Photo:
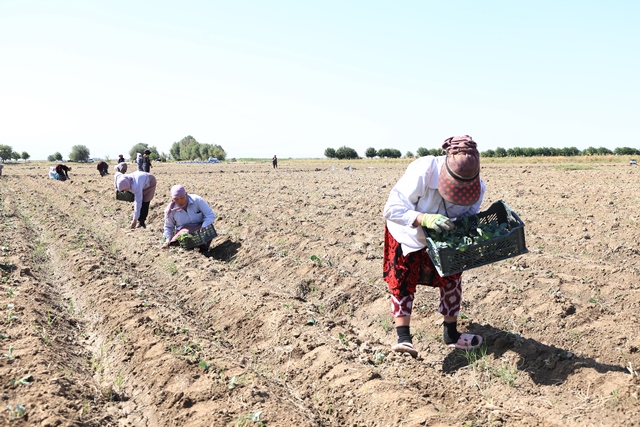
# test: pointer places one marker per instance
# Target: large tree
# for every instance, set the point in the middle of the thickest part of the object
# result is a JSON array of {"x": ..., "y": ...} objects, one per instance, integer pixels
[
  {"x": 79, "y": 153},
  {"x": 140, "y": 148},
  {"x": 330, "y": 153},
  {"x": 5, "y": 152},
  {"x": 190, "y": 149}
]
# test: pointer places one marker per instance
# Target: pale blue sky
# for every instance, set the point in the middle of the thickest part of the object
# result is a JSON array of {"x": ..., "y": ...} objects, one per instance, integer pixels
[{"x": 295, "y": 77}]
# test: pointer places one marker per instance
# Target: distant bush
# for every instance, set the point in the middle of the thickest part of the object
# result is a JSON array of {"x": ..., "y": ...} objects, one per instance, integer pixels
[
  {"x": 371, "y": 152},
  {"x": 345, "y": 152},
  {"x": 190, "y": 149},
  {"x": 330, "y": 153},
  {"x": 390, "y": 153}
]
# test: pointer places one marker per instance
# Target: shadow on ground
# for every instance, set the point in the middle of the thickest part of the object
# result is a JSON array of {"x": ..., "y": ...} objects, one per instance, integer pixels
[
  {"x": 545, "y": 364},
  {"x": 224, "y": 251}
]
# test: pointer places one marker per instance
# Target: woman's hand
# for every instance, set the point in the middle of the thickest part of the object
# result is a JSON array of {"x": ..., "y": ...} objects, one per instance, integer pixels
[
  {"x": 134, "y": 223},
  {"x": 437, "y": 222}
]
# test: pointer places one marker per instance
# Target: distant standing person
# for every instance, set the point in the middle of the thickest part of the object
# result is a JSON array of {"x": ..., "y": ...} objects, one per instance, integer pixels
[
  {"x": 63, "y": 172},
  {"x": 185, "y": 213},
  {"x": 274, "y": 161},
  {"x": 103, "y": 168},
  {"x": 139, "y": 162},
  {"x": 146, "y": 161},
  {"x": 1, "y": 170},
  {"x": 121, "y": 158},
  {"x": 143, "y": 187}
]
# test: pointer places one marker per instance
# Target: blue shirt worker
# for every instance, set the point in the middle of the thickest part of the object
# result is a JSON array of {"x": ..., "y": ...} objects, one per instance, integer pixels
[{"x": 186, "y": 213}]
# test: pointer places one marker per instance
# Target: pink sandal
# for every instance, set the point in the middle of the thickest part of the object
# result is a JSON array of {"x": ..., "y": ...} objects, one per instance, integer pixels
[{"x": 465, "y": 342}]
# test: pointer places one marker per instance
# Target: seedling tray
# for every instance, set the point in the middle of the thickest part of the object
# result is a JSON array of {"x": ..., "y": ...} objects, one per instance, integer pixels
[
  {"x": 125, "y": 196},
  {"x": 197, "y": 238},
  {"x": 450, "y": 261}
]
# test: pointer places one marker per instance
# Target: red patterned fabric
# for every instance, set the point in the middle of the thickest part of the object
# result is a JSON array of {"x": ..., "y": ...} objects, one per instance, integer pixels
[{"x": 404, "y": 273}]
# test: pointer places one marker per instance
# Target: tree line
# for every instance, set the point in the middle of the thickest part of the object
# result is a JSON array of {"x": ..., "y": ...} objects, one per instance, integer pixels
[
  {"x": 185, "y": 149},
  {"x": 7, "y": 153},
  {"x": 345, "y": 152}
]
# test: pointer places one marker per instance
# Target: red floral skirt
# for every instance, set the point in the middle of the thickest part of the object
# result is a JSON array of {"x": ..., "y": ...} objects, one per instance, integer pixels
[{"x": 404, "y": 273}]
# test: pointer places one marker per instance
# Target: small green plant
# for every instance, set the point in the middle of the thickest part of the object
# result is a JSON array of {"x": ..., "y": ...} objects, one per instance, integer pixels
[
  {"x": 11, "y": 292},
  {"x": 253, "y": 418},
  {"x": 51, "y": 319},
  {"x": 233, "y": 382},
  {"x": 386, "y": 324},
  {"x": 171, "y": 268},
  {"x": 507, "y": 374},
  {"x": 204, "y": 365},
  {"x": 121, "y": 336},
  {"x": 343, "y": 339},
  {"x": 320, "y": 261},
  {"x": 16, "y": 412},
  {"x": 43, "y": 335},
  {"x": 378, "y": 358},
  {"x": 119, "y": 381},
  {"x": 10, "y": 354},
  {"x": 26, "y": 380},
  {"x": 11, "y": 317}
]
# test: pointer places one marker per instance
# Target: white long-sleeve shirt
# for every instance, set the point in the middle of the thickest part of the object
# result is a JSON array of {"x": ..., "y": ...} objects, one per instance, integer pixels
[
  {"x": 416, "y": 192},
  {"x": 197, "y": 212}
]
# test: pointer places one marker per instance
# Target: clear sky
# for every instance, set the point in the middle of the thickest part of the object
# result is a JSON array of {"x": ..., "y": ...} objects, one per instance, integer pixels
[{"x": 292, "y": 78}]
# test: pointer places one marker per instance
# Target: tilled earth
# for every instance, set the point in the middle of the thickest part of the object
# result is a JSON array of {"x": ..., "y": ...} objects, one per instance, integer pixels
[{"x": 286, "y": 320}]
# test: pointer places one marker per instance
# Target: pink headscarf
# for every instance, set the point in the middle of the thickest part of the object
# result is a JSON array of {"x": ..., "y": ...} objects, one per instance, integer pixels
[{"x": 178, "y": 191}]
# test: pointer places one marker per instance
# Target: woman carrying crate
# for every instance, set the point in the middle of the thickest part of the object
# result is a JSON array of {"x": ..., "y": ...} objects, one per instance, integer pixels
[
  {"x": 185, "y": 214},
  {"x": 143, "y": 187},
  {"x": 433, "y": 192}
]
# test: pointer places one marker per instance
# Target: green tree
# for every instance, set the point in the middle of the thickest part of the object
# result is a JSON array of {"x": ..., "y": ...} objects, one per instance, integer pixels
[
  {"x": 392, "y": 153},
  {"x": 501, "y": 152},
  {"x": 138, "y": 148},
  {"x": 25, "y": 156},
  {"x": 330, "y": 153},
  {"x": 421, "y": 152},
  {"x": 5, "y": 152},
  {"x": 409, "y": 155},
  {"x": 190, "y": 149},
  {"x": 371, "y": 152},
  {"x": 15, "y": 155},
  {"x": 345, "y": 152},
  {"x": 79, "y": 153}
]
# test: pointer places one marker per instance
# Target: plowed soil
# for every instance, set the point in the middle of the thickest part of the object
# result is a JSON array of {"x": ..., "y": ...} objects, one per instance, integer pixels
[{"x": 286, "y": 320}]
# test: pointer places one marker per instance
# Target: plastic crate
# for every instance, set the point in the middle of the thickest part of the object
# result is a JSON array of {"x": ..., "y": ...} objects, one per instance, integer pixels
[
  {"x": 450, "y": 261},
  {"x": 199, "y": 237},
  {"x": 125, "y": 196}
]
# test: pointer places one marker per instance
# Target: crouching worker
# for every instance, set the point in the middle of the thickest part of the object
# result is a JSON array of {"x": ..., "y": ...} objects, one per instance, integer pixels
[
  {"x": 186, "y": 213},
  {"x": 63, "y": 172},
  {"x": 143, "y": 187},
  {"x": 103, "y": 168}
]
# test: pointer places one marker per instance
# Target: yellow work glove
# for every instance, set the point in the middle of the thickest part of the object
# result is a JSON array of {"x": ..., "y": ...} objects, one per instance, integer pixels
[{"x": 437, "y": 222}]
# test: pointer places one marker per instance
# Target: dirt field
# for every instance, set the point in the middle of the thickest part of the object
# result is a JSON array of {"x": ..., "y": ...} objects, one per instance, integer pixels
[{"x": 286, "y": 320}]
